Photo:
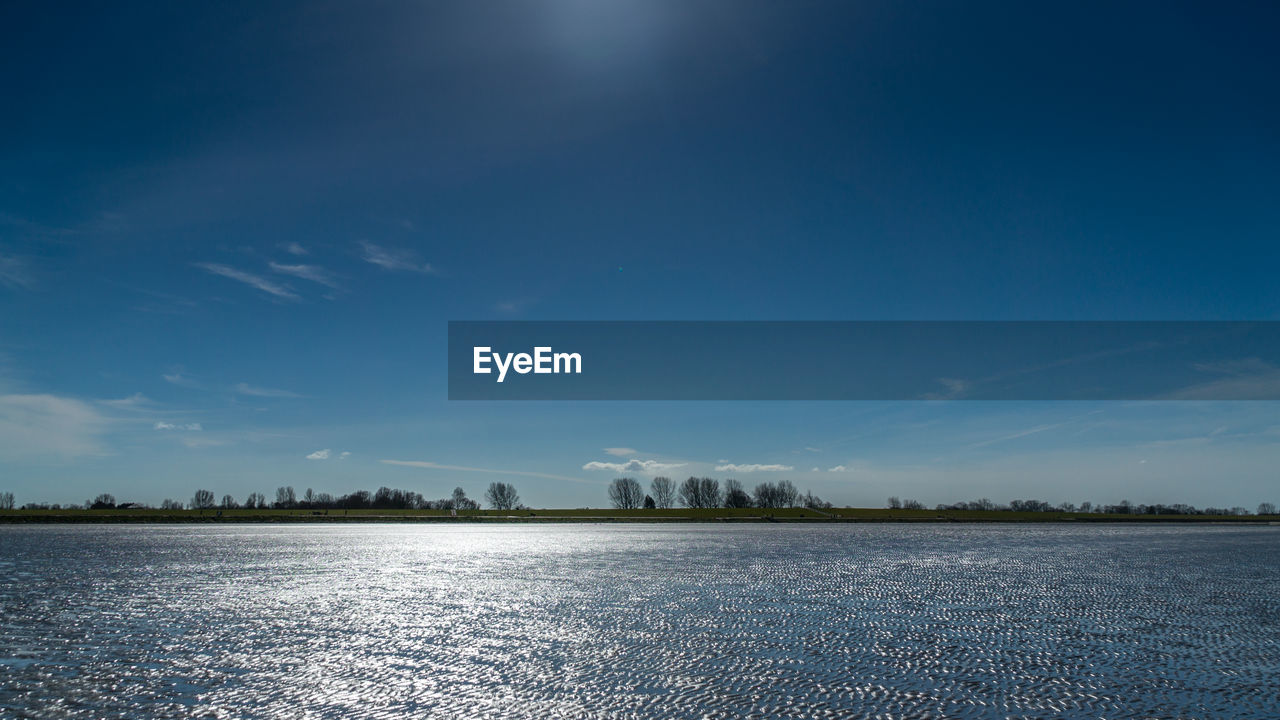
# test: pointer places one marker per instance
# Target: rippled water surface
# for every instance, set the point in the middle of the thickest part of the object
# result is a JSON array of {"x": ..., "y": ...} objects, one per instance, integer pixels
[{"x": 629, "y": 621}]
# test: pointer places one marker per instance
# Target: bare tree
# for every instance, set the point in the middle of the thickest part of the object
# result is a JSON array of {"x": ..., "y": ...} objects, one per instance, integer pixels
[
  {"x": 202, "y": 500},
  {"x": 6, "y": 501},
  {"x": 103, "y": 501},
  {"x": 256, "y": 500},
  {"x": 285, "y": 497},
  {"x": 734, "y": 495},
  {"x": 1265, "y": 508},
  {"x": 229, "y": 503},
  {"x": 894, "y": 503},
  {"x": 700, "y": 492},
  {"x": 462, "y": 502},
  {"x": 171, "y": 504},
  {"x": 626, "y": 494},
  {"x": 663, "y": 491},
  {"x": 502, "y": 496}
]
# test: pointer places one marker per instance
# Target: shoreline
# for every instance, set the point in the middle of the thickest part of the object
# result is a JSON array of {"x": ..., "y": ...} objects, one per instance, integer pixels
[{"x": 674, "y": 516}]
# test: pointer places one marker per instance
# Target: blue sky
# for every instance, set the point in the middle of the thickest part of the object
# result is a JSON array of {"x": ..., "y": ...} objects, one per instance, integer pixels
[{"x": 232, "y": 236}]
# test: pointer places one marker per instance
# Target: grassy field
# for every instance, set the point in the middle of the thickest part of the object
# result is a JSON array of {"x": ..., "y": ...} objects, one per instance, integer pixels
[{"x": 595, "y": 515}]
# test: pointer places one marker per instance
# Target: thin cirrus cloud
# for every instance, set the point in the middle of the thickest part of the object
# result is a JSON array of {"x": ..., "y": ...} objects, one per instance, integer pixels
[
  {"x": 327, "y": 454},
  {"x": 181, "y": 380},
  {"x": 252, "y": 391},
  {"x": 267, "y": 286},
  {"x": 462, "y": 468},
  {"x": 752, "y": 467},
  {"x": 633, "y": 466},
  {"x": 294, "y": 248},
  {"x": 314, "y": 273},
  {"x": 394, "y": 259},
  {"x": 620, "y": 451},
  {"x": 194, "y": 427},
  {"x": 15, "y": 274},
  {"x": 49, "y": 426}
]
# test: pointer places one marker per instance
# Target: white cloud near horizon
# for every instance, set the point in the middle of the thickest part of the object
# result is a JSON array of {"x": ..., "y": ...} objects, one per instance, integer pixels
[
  {"x": 752, "y": 467},
  {"x": 260, "y": 283},
  {"x": 314, "y": 273},
  {"x": 463, "y": 468},
  {"x": 648, "y": 467},
  {"x": 837, "y": 468},
  {"x": 394, "y": 259}
]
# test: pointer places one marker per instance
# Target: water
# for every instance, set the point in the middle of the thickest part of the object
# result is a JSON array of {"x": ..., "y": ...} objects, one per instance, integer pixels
[{"x": 632, "y": 621}]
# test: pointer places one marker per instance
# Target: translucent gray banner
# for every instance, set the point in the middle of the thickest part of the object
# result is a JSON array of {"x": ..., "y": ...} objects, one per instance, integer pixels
[{"x": 864, "y": 360}]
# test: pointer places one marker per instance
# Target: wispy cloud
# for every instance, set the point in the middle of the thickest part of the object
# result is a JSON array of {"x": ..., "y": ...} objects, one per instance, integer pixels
[
  {"x": 294, "y": 248},
  {"x": 15, "y": 274},
  {"x": 196, "y": 427},
  {"x": 314, "y": 273},
  {"x": 177, "y": 378},
  {"x": 620, "y": 451},
  {"x": 247, "y": 389},
  {"x": 319, "y": 455},
  {"x": 837, "y": 468},
  {"x": 1244, "y": 379},
  {"x": 394, "y": 259},
  {"x": 261, "y": 283},
  {"x": 136, "y": 401},
  {"x": 462, "y": 468},
  {"x": 752, "y": 467},
  {"x": 647, "y": 467},
  {"x": 48, "y": 425},
  {"x": 1033, "y": 430}
]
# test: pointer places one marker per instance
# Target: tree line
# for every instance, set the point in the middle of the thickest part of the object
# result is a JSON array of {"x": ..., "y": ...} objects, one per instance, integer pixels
[
  {"x": 705, "y": 492},
  {"x": 499, "y": 496},
  {"x": 624, "y": 494},
  {"x": 1124, "y": 507}
]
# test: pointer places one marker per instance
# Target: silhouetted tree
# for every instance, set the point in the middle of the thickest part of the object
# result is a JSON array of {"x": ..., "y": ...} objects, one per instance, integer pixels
[
  {"x": 894, "y": 503},
  {"x": 105, "y": 501},
  {"x": 309, "y": 498},
  {"x": 664, "y": 492},
  {"x": 780, "y": 495},
  {"x": 256, "y": 501},
  {"x": 700, "y": 493},
  {"x": 202, "y": 500},
  {"x": 502, "y": 496},
  {"x": 813, "y": 502},
  {"x": 649, "y": 504},
  {"x": 734, "y": 495},
  {"x": 285, "y": 497},
  {"x": 229, "y": 503},
  {"x": 626, "y": 494},
  {"x": 6, "y": 501},
  {"x": 171, "y": 504},
  {"x": 1265, "y": 508}
]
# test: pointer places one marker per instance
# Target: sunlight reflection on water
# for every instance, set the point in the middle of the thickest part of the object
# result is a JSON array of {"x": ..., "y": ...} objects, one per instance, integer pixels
[{"x": 514, "y": 621}]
